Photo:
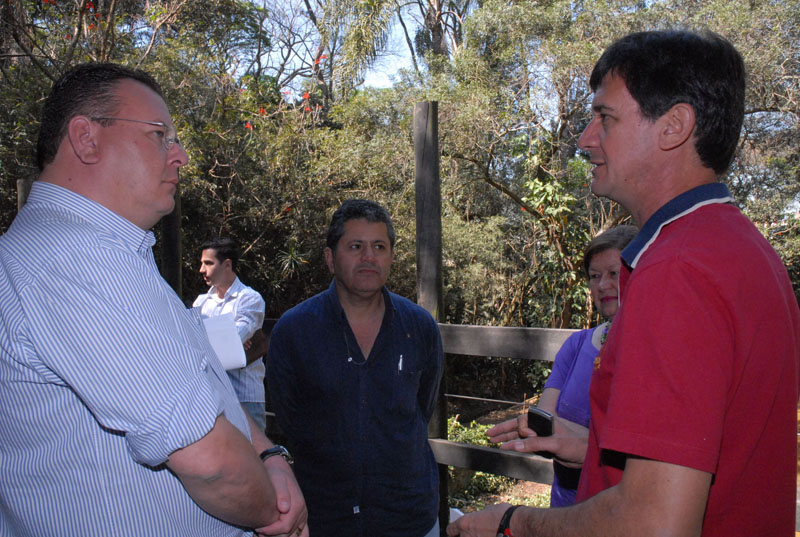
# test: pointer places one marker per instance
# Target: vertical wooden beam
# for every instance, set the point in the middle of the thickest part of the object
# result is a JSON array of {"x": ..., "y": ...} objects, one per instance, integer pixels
[
  {"x": 170, "y": 247},
  {"x": 23, "y": 189},
  {"x": 429, "y": 207},
  {"x": 429, "y": 255}
]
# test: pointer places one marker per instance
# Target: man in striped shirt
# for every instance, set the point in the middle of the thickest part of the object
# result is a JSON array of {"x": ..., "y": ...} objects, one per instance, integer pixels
[{"x": 116, "y": 417}]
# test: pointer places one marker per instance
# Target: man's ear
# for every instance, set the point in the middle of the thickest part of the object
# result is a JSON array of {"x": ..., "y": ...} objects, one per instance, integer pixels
[
  {"x": 679, "y": 122},
  {"x": 329, "y": 259},
  {"x": 82, "y": 134}
]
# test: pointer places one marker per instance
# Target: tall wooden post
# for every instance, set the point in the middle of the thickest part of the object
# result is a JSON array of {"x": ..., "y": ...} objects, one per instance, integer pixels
[
  {"x": 23, "y": 189},
  {"x": 429, "y": 254}
]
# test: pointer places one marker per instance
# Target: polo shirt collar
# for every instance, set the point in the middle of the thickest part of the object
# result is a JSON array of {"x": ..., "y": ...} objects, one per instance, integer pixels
[{"x": 678, "y": 207}]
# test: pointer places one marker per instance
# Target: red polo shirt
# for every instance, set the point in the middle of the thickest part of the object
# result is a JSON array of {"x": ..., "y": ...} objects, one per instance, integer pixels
[{"x": 700, "y": 368}]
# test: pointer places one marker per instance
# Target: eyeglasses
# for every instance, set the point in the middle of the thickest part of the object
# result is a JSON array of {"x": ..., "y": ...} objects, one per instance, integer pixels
[{"x": 169, "y": 136}]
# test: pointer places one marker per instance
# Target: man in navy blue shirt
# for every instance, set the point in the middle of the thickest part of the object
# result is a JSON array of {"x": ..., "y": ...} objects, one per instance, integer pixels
[{"x": 353, "y": 374}]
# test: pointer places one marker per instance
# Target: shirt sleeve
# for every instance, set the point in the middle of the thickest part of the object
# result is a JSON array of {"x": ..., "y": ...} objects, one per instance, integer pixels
[
  {"x": 132, "y": 353},
  {"x": 432, "y": 376},
  {"x": 249, "y": 314},
  {"x": 282, "y": 378},
  {"x": 565, "y": 357}
]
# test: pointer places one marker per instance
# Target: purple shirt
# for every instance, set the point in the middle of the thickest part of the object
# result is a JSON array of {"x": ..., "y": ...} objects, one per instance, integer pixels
[{"x": 572, "y": 373}]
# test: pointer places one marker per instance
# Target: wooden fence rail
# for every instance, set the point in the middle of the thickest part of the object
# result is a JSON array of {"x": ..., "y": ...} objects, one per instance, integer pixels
[{"x": 505, "y": 342}]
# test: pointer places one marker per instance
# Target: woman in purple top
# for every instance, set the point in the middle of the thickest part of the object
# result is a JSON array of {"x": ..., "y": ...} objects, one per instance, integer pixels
[{"x": 566, "y": 392}]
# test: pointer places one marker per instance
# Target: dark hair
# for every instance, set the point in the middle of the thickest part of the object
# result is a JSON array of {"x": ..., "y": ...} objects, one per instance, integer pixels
[
  {"x": 664, "y": 68},
  {"x": 354, "y": 210},
  {"x": 224, "y": 248},
  {"x": 617, "y": 237},
  {"x": 87, "y": 89}
]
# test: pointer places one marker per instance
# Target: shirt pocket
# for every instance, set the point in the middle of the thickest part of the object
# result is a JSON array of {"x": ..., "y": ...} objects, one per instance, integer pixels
[{"x": 406, "y": 385}]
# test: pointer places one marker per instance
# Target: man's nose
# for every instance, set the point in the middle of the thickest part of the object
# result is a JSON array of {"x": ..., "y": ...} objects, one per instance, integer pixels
[
  {"x": 588, "y": 135},
  {"x": 368, "y": 252}
]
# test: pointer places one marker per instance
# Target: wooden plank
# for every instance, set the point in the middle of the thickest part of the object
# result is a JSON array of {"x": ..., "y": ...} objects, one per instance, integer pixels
[
  {"x": 503, "y": 341},
  {"x": 493, "y": 460}
]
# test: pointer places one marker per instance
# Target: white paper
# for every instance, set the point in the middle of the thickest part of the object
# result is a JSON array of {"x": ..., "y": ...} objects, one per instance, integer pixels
[{"x": 225, "y": 340}]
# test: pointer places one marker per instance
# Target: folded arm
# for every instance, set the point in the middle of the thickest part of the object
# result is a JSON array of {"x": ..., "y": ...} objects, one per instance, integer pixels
[{"x": 223, "y": 476}]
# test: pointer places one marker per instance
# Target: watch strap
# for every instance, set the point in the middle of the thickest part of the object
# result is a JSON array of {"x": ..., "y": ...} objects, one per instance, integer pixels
[
  {"x": 503, "y": 529},
  {"x": 276, "y": 450}
]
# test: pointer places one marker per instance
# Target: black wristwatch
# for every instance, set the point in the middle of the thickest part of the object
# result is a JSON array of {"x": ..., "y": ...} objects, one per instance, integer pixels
[
  {"x": 277, "y": 450},
  {"x": 505, "y": 522}
]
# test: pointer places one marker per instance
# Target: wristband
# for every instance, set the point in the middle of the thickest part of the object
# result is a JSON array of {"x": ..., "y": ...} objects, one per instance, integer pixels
[
  {"x": 277, "y": 450},
  {"x": 503, "y": 529}
]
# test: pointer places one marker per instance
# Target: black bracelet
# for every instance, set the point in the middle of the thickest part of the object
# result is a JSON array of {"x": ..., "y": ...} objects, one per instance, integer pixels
[{"x": 503, "y": 529}]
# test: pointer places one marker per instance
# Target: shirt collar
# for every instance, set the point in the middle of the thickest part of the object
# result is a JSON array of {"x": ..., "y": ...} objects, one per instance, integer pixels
[
  {"x": 336, "y": 306},
  {"x": 233, "y": 290},
  {"x": 678, "y": 207},
  {"x": 128, "y": 233}
]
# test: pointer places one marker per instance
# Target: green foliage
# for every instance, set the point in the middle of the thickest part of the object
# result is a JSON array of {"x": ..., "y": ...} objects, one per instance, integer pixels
[{"x": 466, "y": 486}]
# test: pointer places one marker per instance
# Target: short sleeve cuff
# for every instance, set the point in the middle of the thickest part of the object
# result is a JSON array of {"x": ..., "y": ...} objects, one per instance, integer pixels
[{"x": 186, "y": 418}]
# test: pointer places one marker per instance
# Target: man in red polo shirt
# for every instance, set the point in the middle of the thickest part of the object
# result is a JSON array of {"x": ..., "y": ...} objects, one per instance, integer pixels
[{"x": 693, "y": 403}]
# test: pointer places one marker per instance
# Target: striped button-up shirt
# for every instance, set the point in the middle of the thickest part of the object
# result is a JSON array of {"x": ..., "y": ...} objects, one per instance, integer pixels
[{"x": 103, "y": 374}]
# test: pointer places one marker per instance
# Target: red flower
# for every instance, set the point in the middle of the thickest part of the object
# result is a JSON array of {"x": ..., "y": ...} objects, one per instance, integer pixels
[
  {"x": 307, "y": 109},
  {"x": 305, "y": 95},
  {"x": 261, "y": 111},
  {"x": 323, "y": 57},
  {"x": 91, "y": 26},
  {"x": 248, "y": 125},
  {"x": 89, "y": 5}
]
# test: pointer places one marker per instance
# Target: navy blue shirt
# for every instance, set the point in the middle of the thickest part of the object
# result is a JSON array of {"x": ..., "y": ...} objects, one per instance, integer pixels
[{"x": 358, "y": 427}]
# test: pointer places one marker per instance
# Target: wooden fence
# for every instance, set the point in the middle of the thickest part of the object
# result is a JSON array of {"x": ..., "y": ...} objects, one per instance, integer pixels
[{"x": 506, "y": 342}]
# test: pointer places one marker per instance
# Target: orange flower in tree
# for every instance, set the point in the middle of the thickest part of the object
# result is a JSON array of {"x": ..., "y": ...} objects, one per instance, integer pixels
[
  {"x": 248, "y": 125},
  {"x": 262, "y": 111},
  {"x": 307, "y": 109},
  {"x": 90, "y": 5},
  {"x": 306, "y": 96}
]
